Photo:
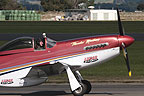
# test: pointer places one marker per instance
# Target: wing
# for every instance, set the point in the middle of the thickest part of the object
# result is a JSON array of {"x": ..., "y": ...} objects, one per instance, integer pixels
[
  {"x": 31, "y": 76},
  {"x": 34, "y": 73}
]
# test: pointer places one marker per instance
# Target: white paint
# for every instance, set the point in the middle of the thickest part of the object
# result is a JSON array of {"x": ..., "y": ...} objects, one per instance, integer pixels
[
  {"x": 15, "y": 77},
  {"x": 19, "y": 79},
  {"x": 74, "y": 84},
  {"x": 103, "y": 56},
  {"x": 17, "y": 74},
  {"x": 103, "y": 15}
]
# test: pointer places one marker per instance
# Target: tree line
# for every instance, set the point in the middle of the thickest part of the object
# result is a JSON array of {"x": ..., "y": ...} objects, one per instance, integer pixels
[
  {"x": 10, "y": 5},
  {"x": 54, "y": 5},
  {"x": 48, "y": 5},
  {"x": 60, "y": 5}
]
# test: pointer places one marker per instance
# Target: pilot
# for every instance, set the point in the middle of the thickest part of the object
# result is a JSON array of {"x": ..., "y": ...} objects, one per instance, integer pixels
[
  {"x": 40, "y": 44},
  {"x": 44, "y": 38}
]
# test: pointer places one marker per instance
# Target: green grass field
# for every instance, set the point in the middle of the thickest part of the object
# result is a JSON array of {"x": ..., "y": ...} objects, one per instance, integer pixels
[
  {"x": 111, "y": 70},
  {"x": 70, "y": 27}
]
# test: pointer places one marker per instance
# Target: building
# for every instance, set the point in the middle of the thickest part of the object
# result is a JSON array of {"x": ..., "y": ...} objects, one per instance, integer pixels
[
  {"x": 77, "y": 14},
  {"x": 103, "y": 15},
  {"x": 103, "y": 1}
]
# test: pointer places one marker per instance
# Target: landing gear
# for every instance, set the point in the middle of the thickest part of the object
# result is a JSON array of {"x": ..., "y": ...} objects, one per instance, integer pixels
[
  {"x": 78, "y": 85},
  {"x": 87, "y": 85},
  {"x": 80, "y": 91},
  {"x": 84, "y": 89}
]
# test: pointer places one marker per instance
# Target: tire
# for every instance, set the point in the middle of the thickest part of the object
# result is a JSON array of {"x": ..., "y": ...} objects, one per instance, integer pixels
[
  {"x": 87, "y": 85},
  {"x": 80, "y": 91}
]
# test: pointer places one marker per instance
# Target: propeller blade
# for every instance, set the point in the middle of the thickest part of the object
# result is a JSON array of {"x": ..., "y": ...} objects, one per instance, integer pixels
[
  {"x": 122, "y": 33},
  {"x": 125, "y": 53},
  {"x": 121, "y": 29}
]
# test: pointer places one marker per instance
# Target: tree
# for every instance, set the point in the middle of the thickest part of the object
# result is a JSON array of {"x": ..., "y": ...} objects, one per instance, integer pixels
[
  {"x": 10, "y": 5},
  {"x": 140, "y": 7},
  {"x": 87, "y": 2},
  {"x": 61, "y": 5},
  {"x": 91, "y": 2},
  {"x": 73, "y": 3},
  {"x": 55, "y": 5}
]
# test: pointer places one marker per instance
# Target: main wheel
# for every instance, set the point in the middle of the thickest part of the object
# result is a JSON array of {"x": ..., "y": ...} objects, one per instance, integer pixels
[
  {"x": 87, "y": 85},
  {"x": 80, "y": 91}
]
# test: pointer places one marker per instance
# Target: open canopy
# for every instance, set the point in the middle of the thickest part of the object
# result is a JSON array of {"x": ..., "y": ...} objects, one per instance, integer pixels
[
  {"x": 26, "y": 42},
  {"x": 18, "y": 43}
]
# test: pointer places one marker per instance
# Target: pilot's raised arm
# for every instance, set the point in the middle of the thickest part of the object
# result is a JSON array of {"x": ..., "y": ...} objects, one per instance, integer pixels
[{"x": 44, "y": 39}]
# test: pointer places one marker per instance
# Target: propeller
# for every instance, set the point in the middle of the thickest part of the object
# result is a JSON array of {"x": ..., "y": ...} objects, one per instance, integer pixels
[
  {"x": 125, "y": 52},
  {"x": 121, "y": 29}
]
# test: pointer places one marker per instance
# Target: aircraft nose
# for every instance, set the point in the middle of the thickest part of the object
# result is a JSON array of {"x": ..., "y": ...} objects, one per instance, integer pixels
[{"x": 127, "y": 40}]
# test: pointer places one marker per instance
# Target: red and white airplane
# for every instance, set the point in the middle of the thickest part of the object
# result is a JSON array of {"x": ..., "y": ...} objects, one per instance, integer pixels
[{"x": 27, "y": 61}]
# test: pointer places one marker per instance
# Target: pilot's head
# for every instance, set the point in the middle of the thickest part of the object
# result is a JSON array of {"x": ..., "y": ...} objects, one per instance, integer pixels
[{"x": 44, "y": 35}]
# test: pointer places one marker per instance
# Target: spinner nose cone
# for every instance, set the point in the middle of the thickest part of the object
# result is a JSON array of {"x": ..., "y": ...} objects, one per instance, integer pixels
[{"x": 127, "y": 40}]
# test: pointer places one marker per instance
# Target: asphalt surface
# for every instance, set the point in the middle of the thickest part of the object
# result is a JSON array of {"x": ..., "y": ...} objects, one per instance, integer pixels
[
  {"x": 62, "y": 36},
  {"x": 98, "y": 89}
]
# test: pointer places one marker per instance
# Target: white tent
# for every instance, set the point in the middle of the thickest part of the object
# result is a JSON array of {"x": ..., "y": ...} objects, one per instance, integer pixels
[{"x": 103, "y": 15}]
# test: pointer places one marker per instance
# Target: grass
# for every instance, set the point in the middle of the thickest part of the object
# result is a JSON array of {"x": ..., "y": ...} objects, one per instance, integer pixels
[
  {"x": 2, "y": 42},
  {"x": 70, "y": 27}
]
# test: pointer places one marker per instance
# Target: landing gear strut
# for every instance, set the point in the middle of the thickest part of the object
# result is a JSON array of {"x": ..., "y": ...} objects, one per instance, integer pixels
[{"x": 78, "y": 85}]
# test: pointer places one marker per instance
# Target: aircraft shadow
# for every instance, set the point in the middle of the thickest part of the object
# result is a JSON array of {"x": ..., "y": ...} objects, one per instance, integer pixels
[
  {"x": 56, "y": 93},
  {"x": 39, "y": 93},
  {"x": 104, "y": 93}
]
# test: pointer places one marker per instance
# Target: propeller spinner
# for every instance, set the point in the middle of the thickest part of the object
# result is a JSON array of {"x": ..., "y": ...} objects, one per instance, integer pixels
[{"x": 124, "y": 42}]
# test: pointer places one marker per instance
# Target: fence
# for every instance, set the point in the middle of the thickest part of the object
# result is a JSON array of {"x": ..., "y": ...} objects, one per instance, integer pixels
[{"x": 19, "y": 15}]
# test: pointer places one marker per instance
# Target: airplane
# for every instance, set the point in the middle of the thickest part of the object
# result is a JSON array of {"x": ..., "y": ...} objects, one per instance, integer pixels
[{"x": 28, "y": 61}]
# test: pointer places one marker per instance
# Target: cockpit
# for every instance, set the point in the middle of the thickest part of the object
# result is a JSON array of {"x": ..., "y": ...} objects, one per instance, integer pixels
[
  {"x": 43, "y": 43},
  {"x": 50, "y": 43},
  {"x": 18, "y": 43},
  {"x": 36, "y": 44}
]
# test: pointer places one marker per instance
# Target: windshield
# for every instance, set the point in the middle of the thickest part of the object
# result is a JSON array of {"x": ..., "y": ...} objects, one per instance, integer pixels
[
  {"x": 50, "y": 43},
  {"x": 19, "y": 43}
]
